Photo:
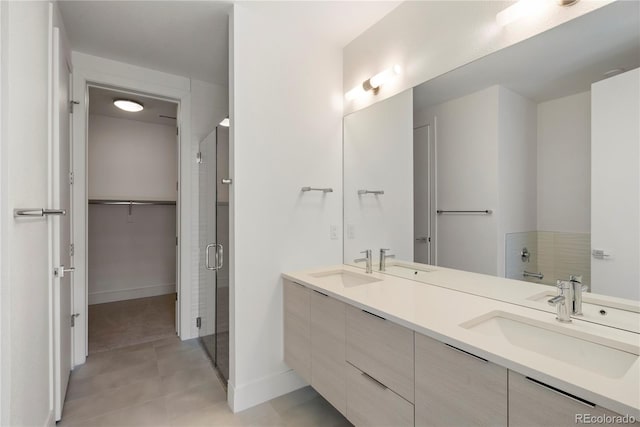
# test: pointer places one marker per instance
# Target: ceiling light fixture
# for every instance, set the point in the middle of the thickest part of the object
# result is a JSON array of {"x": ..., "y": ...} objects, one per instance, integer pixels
[
  {"x": 373, "y": 84},
  {"x": 224, "y": 122},
  {"x": 128, "y": 105}
]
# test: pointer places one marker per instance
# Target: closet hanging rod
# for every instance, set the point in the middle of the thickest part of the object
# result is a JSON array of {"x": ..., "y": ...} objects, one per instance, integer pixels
[
  {"x": 483, "y": 212},
  {"x": 131, "y": 202}
]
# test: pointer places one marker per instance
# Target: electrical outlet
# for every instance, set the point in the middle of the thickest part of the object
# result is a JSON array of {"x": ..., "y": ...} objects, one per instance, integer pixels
[{"x": 333, "y": 232}]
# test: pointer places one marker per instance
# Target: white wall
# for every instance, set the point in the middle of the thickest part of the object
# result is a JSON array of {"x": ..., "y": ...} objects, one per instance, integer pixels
[
  {"x": 25, "y": 292},
  {"x": 466, "y": 140},
  {"x": 131, "y": 256},
  {"x": 378, "y": 155},
  {"x": 286, "y": 133},
  {"x": 564, "y": 164},
  {"x": 129, "y": 159},
  {"x": 517, "y": 189},
  {"x": 429, "y": 38},
  {"x": 615, "y": 184}
]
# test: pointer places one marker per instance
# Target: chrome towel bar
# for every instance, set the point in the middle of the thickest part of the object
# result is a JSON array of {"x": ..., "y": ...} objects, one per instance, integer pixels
[
  {"x": 539, "y": 276},
  {"x": 324, "y": 190},
  {"x": 376, "y": 192},
  {"x": 34, "y": 212}
]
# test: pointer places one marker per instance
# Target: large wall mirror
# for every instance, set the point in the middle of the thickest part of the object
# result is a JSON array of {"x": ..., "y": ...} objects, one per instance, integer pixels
[{"x": 523, "y": 164}]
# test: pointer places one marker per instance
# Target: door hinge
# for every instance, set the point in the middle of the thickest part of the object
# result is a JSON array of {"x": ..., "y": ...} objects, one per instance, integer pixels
[
  {"x": 177, "y": 131},
  {"x": 199, "y": 157},
  {"x": 71, "y": 104},
  {"x": 73, "y": 319},
  {"x": 198, "y": 322},
  {"x": 176, "y": 240},
  {"x": 72, "y": 249},
  {"x": 70, "y": 178}
]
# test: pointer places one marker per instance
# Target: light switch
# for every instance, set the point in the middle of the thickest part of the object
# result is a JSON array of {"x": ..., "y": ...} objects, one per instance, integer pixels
[
  {"x": 333, "y": 232},
  {"x": 351, "y": 231}
]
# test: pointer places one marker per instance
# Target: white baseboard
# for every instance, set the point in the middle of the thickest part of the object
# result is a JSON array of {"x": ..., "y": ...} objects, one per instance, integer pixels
[
  {"x": 133, "y": 293},
  {"x": 263, "y": 390}
]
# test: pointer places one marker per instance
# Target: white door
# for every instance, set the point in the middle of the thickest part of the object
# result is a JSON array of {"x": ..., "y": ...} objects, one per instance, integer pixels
[
  {"x": 422, "y": 195},
  {"x": 61, "y": 244},
  {"x": 26, "y": 268}
]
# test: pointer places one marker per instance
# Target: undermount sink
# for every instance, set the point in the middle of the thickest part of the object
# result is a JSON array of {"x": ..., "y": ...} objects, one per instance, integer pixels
[
  {"x": 617, "y": 315},
  {"x": 345, "y": 278},
  {"x": 596, "y": 354}
]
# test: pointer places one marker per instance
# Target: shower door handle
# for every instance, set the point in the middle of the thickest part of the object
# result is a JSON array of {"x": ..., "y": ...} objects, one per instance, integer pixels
[
  {"x": 219, "y": 256},
  {"x": 206, "y": 257}
]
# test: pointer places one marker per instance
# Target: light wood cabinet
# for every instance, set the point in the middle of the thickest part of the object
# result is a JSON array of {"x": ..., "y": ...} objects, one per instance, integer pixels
[
  {"x": 328, "y": 364},
  {"x": 455, "y": 388},
  {"x": 297, "y": 336},
  {"x": 533, "y": 403},
  {"x": 370, "y": 403},
  {"x": 382, "y": 349}
]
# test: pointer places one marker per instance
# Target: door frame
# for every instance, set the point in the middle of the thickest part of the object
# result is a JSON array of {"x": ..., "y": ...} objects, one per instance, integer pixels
[{"x": 91, "y": 70}]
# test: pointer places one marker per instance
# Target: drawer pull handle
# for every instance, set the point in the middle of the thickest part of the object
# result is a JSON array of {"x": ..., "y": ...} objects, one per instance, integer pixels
[
  {"x": 562, "y": 393},
  {"x": 299, "y": 284},
  {"x": 482, "y": 359},
  {"x": 382, "y": 386},
  {"x": 379, "y": 317},
  {"x": 324, "y": 295}
]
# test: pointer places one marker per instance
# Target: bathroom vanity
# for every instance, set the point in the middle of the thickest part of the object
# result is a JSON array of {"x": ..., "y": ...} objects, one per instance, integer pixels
[{"x": 385, "y": 350}]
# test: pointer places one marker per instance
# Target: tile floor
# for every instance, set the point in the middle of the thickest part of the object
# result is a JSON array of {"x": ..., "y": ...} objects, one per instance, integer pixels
[
  {"x": 139, "y": 373},
  {"x": 124, "y": 323},
  {"x": 169, "y": 382}
]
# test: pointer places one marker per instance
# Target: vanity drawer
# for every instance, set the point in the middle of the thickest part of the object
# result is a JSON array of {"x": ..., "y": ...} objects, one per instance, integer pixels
[
  {"x": 297, "y": 338},
  {"x": 369, "y": 403},
  {"x": 382, "y": 349},
  {"x": 328, "y": 365},
  {"x": 457, "y": 388},
  {"x": 532, "y": 403}
]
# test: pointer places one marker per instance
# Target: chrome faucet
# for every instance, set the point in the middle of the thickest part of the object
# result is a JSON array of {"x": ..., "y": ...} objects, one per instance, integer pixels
[
  {"x": 563, "y": 301},
  {"x": 367, "y": 258},
  {"x": 383, "y": 259},
  {"x": 578, "y": 288}
]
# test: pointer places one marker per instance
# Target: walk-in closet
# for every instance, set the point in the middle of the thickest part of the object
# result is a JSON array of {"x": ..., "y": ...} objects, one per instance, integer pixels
[{"x": 132, "y": 182}]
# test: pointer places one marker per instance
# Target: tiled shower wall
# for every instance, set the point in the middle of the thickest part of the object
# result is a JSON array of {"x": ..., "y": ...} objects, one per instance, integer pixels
[{"x": 556, "y": 255}]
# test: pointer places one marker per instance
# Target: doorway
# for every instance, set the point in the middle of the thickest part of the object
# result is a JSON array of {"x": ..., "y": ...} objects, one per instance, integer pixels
[
  {"x": 213, "y": 317},
  {"x": 132, "y": 238}
]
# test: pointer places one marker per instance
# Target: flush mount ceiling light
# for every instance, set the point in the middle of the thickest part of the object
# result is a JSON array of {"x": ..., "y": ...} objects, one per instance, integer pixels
[
  {"x": 224, "y": 122},
  {"x": 373, "y": 84},
  {"x": 128, "y": 105},
  {"x": 527, "y": 8}
]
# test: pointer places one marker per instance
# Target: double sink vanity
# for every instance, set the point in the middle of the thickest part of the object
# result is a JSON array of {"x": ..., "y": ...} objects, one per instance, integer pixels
[{"x": 388, "y": 350}]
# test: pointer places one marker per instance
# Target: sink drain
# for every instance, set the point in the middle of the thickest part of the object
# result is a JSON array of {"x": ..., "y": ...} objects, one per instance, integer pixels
[{"x": 603, "y": 312}]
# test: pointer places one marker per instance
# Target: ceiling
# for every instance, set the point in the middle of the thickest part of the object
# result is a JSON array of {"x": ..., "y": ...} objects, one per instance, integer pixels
[
  {"x": 186, "y": 38},
  {"x": 190, "y": 38},
  {"x": 557, "y": 63},
  {"x": 101, "y": 102}
]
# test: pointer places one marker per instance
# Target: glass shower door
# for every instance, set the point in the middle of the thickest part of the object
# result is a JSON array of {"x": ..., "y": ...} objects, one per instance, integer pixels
[
  {"x": 206, "y": 321},
  {"x": 222, "y": 234}
]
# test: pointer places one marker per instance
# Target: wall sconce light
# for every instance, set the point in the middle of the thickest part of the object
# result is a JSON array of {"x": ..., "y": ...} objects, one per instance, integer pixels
[
  {"x": 526, "y": 7},
  {"x": 373, "y": 84}
]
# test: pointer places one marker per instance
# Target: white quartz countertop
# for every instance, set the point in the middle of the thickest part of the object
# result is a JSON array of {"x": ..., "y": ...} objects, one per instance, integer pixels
[{"x": 438, "y": 312}]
